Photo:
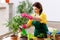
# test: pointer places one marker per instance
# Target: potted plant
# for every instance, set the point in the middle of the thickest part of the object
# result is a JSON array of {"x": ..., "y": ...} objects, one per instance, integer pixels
[
  {"x": 31, "y": 37},
  {"x": 40, "y": 37},
  {"x": 24, "y": 7},
  {"x": 14, "y": 24},
  {"x": 23, "y": 34},
  {"x": 54, "y": 34}
]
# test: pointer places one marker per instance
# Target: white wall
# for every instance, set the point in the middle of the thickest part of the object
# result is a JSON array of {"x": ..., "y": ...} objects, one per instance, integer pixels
[
  {"x": 4, "y": 15},
  {"x": 15, "y": 4},
  {"x": 51, "y": 8}
]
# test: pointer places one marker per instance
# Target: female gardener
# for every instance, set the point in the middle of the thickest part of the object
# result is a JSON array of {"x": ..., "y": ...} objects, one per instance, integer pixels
[{"x": 38, "y": 20}]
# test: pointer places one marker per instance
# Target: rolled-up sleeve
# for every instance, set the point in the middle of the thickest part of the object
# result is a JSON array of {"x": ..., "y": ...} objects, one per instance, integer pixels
[
  {"x": 43, "y": 18},
  {"x": 29, "y": 23}
]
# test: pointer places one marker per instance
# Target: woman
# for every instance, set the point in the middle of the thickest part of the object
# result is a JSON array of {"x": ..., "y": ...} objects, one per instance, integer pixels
[{"x": 39, "y": 21}]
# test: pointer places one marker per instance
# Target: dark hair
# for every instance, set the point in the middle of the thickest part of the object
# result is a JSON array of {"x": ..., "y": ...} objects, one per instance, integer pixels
[{"x": 39, "y": 6}]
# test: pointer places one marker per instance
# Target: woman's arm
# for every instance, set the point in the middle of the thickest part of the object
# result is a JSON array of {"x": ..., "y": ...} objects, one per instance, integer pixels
[
  {"x": 42, "y": 17},
  {"x": 29, "y": 23}
]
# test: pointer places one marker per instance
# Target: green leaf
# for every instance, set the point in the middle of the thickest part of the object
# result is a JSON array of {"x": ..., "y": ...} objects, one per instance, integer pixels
[
  {"x": 15, "y": 22},
  {"x": 24, "y": 6}
]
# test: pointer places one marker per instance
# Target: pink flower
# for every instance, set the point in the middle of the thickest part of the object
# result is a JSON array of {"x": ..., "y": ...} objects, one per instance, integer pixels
[
  {"x": 29, "y": 17},
  {"x": 26, "y": 16}
]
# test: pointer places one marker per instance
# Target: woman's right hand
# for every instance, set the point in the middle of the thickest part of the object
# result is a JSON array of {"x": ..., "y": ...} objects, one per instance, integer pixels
[{"x": 24, "y": 26}]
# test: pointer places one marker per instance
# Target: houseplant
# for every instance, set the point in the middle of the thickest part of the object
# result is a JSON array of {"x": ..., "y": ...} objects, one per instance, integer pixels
[
  {"x": 31, "y": 37},
  {"x": 54, "y": 34},
  {"x": 40, "y": 37},
  {"x": 24, "y": 7},
  {"x": 22, "y": 34},
  {"x": 14, "y": 24}
]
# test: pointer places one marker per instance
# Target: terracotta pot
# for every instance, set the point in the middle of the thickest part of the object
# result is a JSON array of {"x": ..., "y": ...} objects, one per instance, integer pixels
[
  {"x": 57, "y": 37},
  {"x": 14, "y": 37},
  {"x": 49, "y": 36}
]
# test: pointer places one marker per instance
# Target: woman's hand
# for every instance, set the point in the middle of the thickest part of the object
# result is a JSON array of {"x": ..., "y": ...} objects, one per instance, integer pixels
[
  {"x": 25, "y": 26},
  {"x": 37, "y": 18}
]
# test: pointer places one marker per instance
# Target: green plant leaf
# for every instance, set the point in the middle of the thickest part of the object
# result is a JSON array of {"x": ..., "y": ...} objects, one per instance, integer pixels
[
  {"x": 15, "y": 22},
  {"x": 24, "y": 6}
]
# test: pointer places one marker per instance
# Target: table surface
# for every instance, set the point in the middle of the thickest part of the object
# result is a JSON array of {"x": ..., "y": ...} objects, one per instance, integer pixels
[{"x": 9, "y": 38}]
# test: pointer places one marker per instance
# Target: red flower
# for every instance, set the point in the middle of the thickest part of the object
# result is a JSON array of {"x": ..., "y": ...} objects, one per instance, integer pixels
[{"x": 7, "y": 1}]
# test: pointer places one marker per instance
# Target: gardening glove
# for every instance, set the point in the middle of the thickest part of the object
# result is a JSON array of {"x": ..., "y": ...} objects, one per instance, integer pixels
[
  {"x": 26, "y": 16},
  {"x": 24, "y": 26}
]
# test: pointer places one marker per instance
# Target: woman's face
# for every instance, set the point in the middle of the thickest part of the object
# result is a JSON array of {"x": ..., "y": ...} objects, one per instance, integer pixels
[{"x": 36, "y": 10}]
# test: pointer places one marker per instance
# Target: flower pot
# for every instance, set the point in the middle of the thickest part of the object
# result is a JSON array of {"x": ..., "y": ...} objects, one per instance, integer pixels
[
  {"x": 31, "y": 39},
  {"x": 23, "y": 38},
  {"x": 40, "y": 38},
  {"x": 14, "y": 37},
  {"x": 57, "y": 37},
  {"x": 48, "y": 36}
]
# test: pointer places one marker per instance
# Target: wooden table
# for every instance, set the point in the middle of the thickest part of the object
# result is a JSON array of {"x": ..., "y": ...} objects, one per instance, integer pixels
[{"x": 8, "y": 38}]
